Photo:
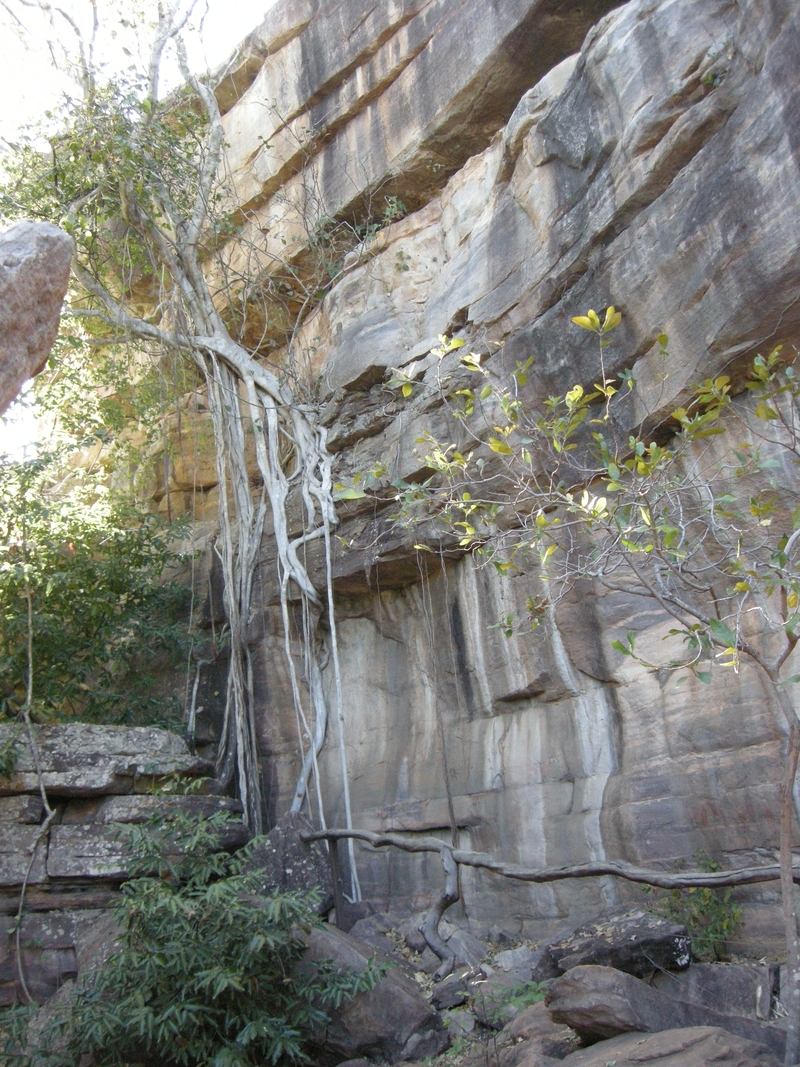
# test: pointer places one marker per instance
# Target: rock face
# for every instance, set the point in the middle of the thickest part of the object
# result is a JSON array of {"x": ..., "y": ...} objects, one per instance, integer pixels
[
  {"x": 653, "y": 166},
  {"x": 34, "y": 274},
  {"x": 98, "y": 778},
  {"x": 552, "y": 157}
]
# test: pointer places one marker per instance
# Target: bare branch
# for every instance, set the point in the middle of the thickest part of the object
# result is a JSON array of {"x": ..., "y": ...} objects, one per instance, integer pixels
[{"x": 617, "y": 868}]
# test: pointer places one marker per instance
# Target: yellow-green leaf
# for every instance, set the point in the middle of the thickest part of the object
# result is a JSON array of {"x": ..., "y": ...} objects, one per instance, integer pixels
[
  {"x": 501, "y": 447},
  {"x": 584, "y": 322}
]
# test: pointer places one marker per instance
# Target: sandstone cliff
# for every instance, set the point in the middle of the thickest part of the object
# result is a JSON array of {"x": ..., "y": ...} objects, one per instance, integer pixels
[{"x": 652, "y": 163}]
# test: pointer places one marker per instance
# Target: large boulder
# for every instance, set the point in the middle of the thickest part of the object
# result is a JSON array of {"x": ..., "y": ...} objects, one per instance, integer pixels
[
  {"x": 534, "y": 1033},
  {"x": 634, "y": 940},
  {"x": 393, "y": 1021},
  {"x": 34, "y": 274},
  {"x": 600, "y": 1002},
  {"x": 697, "y": 1046}
]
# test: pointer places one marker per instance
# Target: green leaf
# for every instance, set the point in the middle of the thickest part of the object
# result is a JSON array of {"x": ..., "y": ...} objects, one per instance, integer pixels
[
  {"x": 619, "y": 647},
  {"x": 704, "y": 676},
  {"x": 765, "y": 412},
  {"x": 721, "y": 632}
]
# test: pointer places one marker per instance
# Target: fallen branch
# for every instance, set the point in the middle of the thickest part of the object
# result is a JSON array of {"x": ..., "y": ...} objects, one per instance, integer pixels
[{"x": 616, "y": 868}]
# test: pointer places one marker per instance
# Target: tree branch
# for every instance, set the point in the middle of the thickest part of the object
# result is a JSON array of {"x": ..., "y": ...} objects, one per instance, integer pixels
[{"x": 617, "y": 868}]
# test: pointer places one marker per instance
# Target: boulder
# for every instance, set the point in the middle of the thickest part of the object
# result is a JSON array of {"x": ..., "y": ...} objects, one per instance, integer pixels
[
  {"x": 744, "y": 989},
  {"x": 468, "y": 949},
  {"x": 372, "y": 931},
  {"x": 288, "y": 862},
  {"x": 599, "y": 1002},
  {"x": 34, "y": 274},
  {"x": 517, "y": 962},
  {"x": 696, "y": 1046},
  {"x": 533, "y": 1033},
  {"x": 492, "y": 996},
  {"x": 411, "y": 933},
  {"x": 459, "y": 1022},
  {"x": 635, "y": 941},
  {"x": 393, "y": 1021},
  {"x": 452, "y": 992}
]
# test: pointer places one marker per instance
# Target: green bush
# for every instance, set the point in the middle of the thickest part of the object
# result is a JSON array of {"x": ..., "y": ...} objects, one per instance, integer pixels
[
  {"x": 205, "y": 975},
  {"x": 85, "y": 573},
  {"x": 710, "y": 915}
]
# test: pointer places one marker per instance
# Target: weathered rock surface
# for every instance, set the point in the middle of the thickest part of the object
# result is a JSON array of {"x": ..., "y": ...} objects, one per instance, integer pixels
[
  {"x": 452, "y": 992},
  {"x": 34, "y": 274},
  {"x": 392, "y": 98},
  {"x": 635, "y": 941},
  {"x": 600, "y": 1002},
  {"x": 73, "y": 870},
  {"x": 81, "y": 759},
  {"x": 533, "y": 1033},
  {"x": 657, "y": 170},
  {"x": 744, "y": 989},
  {"x": 289, "y": 862},
  {"x": 392, "y": 1021},
  {"x": 696, "y": 1046}
]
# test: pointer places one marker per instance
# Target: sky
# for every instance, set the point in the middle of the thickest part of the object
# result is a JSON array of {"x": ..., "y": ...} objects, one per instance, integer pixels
[{"x": 30, "y": 85}]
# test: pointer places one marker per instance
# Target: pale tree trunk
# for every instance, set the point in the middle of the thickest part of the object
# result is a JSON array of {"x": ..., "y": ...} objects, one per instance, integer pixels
[{"x": 791, "y": 996}]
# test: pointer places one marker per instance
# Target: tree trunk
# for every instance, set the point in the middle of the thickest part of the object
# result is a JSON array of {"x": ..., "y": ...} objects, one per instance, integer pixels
[{"x": 790, "y": 998}]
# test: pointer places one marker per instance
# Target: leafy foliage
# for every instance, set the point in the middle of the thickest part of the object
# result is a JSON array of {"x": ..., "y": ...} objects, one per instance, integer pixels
[
  {"x": 111, "y": 155},
  {"x": 658, "y": 516},
  {"x": 206, "y": 973},
  {"x": 710, "y": 915},
  {"x": 86, "y": 573}
]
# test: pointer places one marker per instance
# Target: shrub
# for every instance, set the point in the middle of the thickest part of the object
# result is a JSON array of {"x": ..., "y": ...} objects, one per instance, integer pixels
[
  {"x": 709, "y": 915},
  {"x": 84, "y": 596},
  {"x": 205, "y": 975}
]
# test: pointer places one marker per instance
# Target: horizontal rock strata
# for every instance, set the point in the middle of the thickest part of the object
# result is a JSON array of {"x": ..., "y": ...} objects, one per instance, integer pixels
[{"x": 98, "y": 780}]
